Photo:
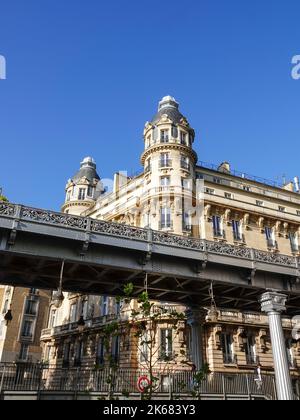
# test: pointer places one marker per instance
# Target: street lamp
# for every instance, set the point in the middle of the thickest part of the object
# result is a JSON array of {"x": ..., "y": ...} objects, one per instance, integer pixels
[
  {"x": 58, "y": 298},
  {"x": 8, "y": 317}
]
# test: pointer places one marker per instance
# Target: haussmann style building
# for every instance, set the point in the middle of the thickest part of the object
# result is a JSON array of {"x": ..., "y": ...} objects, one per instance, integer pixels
[{"x": 176, "y": 193}]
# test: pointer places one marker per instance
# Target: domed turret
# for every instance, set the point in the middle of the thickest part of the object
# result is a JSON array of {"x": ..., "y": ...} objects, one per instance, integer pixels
[
  {"x": 83, "y": 189},
  {"x": 169, "y": 161}
]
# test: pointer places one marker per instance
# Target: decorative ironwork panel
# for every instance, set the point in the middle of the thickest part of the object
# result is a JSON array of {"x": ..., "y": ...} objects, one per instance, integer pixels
[
  {"x": 53, "y": 218},
  {"x": 118, "y": 229},
  {"x": 268, "y": 257},
  {"x": 7, "y": 209},
  {"x": 229, "y": 250},
  {"x": 180, "y": 241}
]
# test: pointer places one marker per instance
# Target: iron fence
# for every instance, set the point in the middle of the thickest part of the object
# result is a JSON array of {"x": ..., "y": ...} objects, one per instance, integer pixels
[{"x": 39, "y": 378}]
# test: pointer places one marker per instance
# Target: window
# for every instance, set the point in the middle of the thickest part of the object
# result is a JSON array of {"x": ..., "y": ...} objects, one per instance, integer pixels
[
  {"x": 187, "y": 222},
  {"x": 85, "y": 309},
  {"x": 24, "y": 352},
  {"x": 78, "y": 353},
  {"x": 298, "y": 212},
  {"x": 217, "y": 180},
  {"x": 81, "y": 194},
  {"x": 165, "y": 218},
  {"x": 148, "y": 165},
  {"x": 281, "y": 209},
  {"x": 227, "y": 346},
  {"x": 115, "y": 348},
  {"x": 228, "y": 196},
  {"x": 259, "y": 203},
  {"x": 31, "y": 307},
  {"x": 90, "y": 191},
  {"x": 185, "y": 163},
  {"x": 217, "y": 226},
  {"x": 33, "y": 291},
  {"x": 164, "y": 136},
  {"x": 246, "y": 188},
  {"x": 66, "y": 354},
  {"x": 5, "y": 307},
  {"x": 166, "y": 343},
  {"x": 100, "y": 352},
  {"x": 270, "y": 236},
  {"x": 52, "y": 318},
  {"x": 237, "y": 231},
  {"x": 144, "y": 351},
  {"x": 165, "y": 160},
  {"x": 209, "y": 191},
  {"x": 73, "y": 312},
  {"x": 104, "y": 305},
  {"x": 68, "y": 195},
  {"x": 148, "y": 141},
  {"x": 117, "y": 307},
  {"x": 165, "y": 181},
  {"x": 183, "y": 137},
  {"x": 186, "y": 184},
  {"x": 250, "y": 350},
  {"x": 27, "y": 330},
  {"x": 294, "y": 241}
]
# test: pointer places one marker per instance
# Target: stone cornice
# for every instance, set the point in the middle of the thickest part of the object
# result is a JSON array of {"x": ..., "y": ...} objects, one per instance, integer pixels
[{"x": 169, "y": 146}]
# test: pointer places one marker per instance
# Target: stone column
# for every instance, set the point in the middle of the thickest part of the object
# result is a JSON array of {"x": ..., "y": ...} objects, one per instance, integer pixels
[
  {"x": 195, "y": 319},
  {"x": 273, "y": 304}
]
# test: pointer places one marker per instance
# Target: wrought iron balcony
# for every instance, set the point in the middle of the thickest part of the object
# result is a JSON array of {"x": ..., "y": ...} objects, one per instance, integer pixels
[
  {"x": 185, "y": 165},
  {"x": 165, "y": 225},
  {"x": 230, "y": 359},
  {"x": 165, "y": 163}
]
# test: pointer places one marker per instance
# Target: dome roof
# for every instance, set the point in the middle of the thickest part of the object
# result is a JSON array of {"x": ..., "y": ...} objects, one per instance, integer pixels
[
  {"x": 87, "y": 170},
  {"x": 169, "y": 107}
]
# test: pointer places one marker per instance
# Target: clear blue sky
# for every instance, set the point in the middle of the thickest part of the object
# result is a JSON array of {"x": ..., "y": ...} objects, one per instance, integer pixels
[{"x": 84, "y": 76}]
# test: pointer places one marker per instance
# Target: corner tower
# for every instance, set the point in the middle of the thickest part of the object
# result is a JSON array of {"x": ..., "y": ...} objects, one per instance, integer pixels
[
  {"x": 83, "y": 189},
  {"x": 169, "y": 169}
]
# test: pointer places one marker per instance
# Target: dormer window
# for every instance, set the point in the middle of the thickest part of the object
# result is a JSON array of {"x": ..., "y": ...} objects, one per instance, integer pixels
[
  {"x": 183, "y": 138},
  {"x": 164, "y": 136},
  {"x": 90, "y": 191},
  {"x": 68, "y": 195},
  {"x": 81, "y": 194}
]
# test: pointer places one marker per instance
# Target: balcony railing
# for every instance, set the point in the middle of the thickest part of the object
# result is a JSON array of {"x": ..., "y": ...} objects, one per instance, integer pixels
[
  {"x": 187, "y": 228},
  {"x": 230, "y": 359},
  {"x": 165, "y": 163},
  {"x": 185, "y": 165}
]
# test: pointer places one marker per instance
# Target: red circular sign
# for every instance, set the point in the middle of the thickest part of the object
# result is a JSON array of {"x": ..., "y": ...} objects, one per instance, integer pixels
[{"x": 143, "y": 383}]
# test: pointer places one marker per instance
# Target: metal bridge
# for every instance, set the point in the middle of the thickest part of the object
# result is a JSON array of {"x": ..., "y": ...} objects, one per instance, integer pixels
[{"x": 100, "y": 257}]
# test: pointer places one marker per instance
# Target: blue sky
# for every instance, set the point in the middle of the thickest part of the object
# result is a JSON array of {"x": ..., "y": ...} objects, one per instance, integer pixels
[{"x": 84, "y": 76}]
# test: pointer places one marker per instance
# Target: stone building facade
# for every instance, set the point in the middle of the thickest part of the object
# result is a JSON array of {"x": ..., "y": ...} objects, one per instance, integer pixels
[
  {"x": 176, "y": 193},
  {"x": 22, "y": 318}
]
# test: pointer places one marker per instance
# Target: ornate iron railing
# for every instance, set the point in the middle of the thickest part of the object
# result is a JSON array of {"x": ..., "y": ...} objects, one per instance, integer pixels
[{"x": 87, "y": 224}]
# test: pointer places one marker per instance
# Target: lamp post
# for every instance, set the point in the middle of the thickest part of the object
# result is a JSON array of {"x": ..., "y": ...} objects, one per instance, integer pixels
[{"x": 58, "y": 298}]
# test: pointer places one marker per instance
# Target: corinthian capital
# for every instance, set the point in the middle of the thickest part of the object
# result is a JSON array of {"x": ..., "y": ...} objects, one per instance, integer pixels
[{"x": 273, "y": 302}]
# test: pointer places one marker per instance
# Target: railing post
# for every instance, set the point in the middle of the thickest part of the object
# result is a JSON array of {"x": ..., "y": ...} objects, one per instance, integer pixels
[
  {"x": 224, "y": 387},
  {"x": 2, "y": 381},
  {"x": 248, "y": 387}
]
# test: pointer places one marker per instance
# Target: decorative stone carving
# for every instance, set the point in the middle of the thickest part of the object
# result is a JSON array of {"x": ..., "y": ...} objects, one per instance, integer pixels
[
  {"x": 262, "y": 340},
  {"x": 241, "y": 335},
  {"x": 207, "y": 212},
  {"x": 273, "y": 302},
  {"x": 227, "y": 214},
  {"x": 217, "y": 333},
  {"x": 246, "y": 221},
  {"x": 260, "y": 223}
]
